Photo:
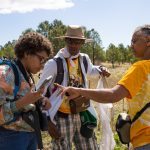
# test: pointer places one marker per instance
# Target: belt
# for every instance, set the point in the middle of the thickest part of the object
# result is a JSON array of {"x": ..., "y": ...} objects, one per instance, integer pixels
[{"x": 62, "y": 115}]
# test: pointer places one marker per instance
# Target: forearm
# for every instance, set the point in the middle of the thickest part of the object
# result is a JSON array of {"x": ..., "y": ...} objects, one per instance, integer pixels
[
  {"x": 99, "y": 95},
  {"x": 105, "y": 95},
  {"x": 27, "y": 99}
]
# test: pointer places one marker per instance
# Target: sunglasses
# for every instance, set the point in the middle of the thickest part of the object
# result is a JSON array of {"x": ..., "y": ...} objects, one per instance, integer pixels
[
  {"x": 42, "y": 59},
  {"x": 74, "y": 41}
]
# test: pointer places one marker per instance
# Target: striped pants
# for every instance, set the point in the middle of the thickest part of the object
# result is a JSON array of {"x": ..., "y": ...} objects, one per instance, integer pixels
[{"x": 70, "y": 133}]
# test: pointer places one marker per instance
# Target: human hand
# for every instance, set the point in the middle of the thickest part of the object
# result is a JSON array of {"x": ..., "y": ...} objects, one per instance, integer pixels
[
  {"x": 70, "y": 92},
  {"x": 46, "y": 103},
  {"x": 104, "y": 71},
  {"x": 29, "y": 98}
]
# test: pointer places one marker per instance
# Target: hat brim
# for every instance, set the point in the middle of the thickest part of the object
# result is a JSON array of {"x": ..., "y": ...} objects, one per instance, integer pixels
[
  {"x": 71, "y": 37},
  {"x": 86, "y": 40}
]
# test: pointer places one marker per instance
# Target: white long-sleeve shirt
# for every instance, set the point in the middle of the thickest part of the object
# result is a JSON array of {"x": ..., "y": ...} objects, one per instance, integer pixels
[{"x": 50, "y": 69}]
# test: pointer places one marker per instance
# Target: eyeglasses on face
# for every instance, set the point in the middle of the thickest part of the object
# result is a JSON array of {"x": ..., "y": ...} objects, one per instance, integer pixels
[
  {"x": 74, "y": 41},
  {"x": 42, "y": 59}
]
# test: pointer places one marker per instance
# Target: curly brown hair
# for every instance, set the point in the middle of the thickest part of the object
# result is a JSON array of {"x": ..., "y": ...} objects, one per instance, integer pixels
[{"x": 31, "y": 43}]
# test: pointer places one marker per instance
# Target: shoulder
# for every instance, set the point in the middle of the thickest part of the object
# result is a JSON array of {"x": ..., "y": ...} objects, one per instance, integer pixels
[
  {"x": 6, "y": 76},
  {"x": 6, "y": 70},
  {"x": 141, "y": 65},
  {"x": 84, "y": 55},
  {"x": 50, "y": 62}
]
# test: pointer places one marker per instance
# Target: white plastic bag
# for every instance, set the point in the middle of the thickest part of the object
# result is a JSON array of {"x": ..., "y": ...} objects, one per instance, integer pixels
[{"x": 104, "y": 110}]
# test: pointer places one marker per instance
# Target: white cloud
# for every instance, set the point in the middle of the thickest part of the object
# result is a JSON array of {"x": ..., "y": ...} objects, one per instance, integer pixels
[{"x": 23, "y": 6}]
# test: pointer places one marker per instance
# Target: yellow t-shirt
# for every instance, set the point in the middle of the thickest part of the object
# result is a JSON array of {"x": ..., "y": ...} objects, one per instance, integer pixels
[
  {"x": 137, "y": 82},
  {"x": 75, "y": 80}
]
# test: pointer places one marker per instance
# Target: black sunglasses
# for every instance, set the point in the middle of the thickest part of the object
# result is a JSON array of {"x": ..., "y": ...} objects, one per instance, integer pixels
[{"x": 74, "y": 41}]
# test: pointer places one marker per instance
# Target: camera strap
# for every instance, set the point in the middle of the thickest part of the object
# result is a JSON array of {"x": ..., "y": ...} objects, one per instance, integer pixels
[{"x": 35, "y": 125}]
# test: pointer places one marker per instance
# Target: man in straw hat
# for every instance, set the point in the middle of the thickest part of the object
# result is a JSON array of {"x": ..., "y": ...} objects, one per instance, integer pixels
[{"x": 76, "y": 66}]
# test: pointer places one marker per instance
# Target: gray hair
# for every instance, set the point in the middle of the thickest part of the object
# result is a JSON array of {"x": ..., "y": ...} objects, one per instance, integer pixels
[{"x": 145, "y": 29}]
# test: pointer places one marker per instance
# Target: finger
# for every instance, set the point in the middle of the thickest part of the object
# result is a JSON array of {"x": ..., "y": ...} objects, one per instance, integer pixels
[
  {"x": 64, "y": 91},
  {"x": 47, "y": 106},
  {"x": 70, "y": 96},
  {"x": 58, "y": 85}
]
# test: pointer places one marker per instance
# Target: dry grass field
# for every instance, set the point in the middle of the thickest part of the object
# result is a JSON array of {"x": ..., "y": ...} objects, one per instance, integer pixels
[{"x": 116, "y": 74}]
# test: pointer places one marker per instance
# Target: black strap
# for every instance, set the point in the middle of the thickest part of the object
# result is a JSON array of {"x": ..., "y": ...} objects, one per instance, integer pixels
[
  {"x": 139, "y": 113},
  {"x": 85, "y": 63},
  {"x": 17, "y": 79},
  {"x": 83, "y": 78},
  {"x": 35, "y": 125},
  {"x": 60, "y": 70},
  {"x": 27, "y": 75}
]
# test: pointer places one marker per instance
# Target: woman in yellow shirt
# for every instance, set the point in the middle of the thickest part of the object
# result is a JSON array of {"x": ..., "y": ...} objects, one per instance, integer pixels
[{"x": 134, "y": 85}]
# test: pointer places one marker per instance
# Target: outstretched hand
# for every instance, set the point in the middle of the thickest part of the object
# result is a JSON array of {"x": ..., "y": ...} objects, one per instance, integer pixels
[{"x": 70, "y": 92}]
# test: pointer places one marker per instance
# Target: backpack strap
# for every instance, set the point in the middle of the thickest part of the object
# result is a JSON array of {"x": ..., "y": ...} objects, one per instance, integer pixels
[
  {"x": 60, "y": 70},
  {"x": 85, "y": 63},
  {"x": 60, "y": 74}
]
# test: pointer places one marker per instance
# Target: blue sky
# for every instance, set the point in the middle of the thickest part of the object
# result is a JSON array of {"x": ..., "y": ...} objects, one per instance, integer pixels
[{"x": 114, "y": 20}]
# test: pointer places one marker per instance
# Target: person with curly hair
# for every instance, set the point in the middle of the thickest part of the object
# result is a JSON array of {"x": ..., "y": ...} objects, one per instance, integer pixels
[{"x": 32, "y": 50}]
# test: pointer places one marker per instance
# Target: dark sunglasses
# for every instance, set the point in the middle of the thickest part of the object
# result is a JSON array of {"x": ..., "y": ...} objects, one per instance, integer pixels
[
  {"x": 74, "y": 41},
  {"x": 42, "y": 59}
]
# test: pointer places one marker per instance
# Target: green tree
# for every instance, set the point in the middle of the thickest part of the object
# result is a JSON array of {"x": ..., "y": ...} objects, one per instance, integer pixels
[
  {"x": 52, "y": 31},
  {"x": 112, "y": 54},
  {"x": 130, "y": 57},
  {"x": 1, "y": 53},
  {"x": 93, "y": 49},
  {"x": 28, "y": 30},
  {"x": 57, "y": 29},
  {"x": 8, "y": 50},
  {"x": 123, "y": 53}
]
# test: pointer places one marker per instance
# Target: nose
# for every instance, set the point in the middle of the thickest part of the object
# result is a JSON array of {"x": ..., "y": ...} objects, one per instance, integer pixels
[{"x": 131, "y": 46}]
